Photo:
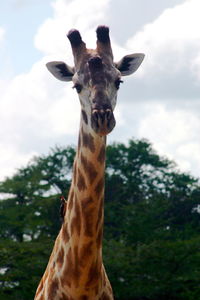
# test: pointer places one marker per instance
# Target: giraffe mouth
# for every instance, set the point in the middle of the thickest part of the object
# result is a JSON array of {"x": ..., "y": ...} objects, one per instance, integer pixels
[{"x": 102, "y": 121}]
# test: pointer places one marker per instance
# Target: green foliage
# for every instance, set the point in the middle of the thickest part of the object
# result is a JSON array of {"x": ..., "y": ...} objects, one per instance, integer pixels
[
  {"x": 159, "y": 270},
  {"x": 151, "y": 244},
  {"x": 22, "y": 262}
]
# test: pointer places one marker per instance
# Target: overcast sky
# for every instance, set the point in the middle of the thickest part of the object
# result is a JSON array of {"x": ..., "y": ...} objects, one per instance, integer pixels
[{"x": 161, "y": 102}]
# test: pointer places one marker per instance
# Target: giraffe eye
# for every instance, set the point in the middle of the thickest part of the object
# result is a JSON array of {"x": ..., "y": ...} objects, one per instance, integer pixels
[
  {"x": 78, "y": 87},
  {"x": 117, "y": 83}
]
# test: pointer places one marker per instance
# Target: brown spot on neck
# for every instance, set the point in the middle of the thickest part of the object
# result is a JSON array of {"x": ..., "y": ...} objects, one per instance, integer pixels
[
  {"x": 88, "y": 141},
  {"x": 71, "y": 274},
  {"x": 88, "y": 221},
  {"x": 85, "y": 253},
  {"x": 84, "y": 116},
  {"x": 81, "y": 181},
  {"x": 102, "y": 155},
  {"x": 99, "y": 189},
  {"x": 60, "y": 258},
  {"x": 89, "y": 169},
  {"x": 53, "y": 287},
  {"x": 65, "y": 234},
  {"x": 94, "y": 274},
  {"x": 84, "y": 297}
]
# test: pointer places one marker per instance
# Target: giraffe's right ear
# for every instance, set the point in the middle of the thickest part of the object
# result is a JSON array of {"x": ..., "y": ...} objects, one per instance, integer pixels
[{"x": 60, "y": 70}]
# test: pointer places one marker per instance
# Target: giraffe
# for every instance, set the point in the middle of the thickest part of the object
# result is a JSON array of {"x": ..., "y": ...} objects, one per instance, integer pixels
[{"x": 75, "y": 270}]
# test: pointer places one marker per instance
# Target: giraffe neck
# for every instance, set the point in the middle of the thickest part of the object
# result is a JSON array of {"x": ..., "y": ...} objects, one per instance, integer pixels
[
  {"x": 83, "y": 221},
  {"x": 75, "y": 268},
  {"x": 84, "y": 216}
]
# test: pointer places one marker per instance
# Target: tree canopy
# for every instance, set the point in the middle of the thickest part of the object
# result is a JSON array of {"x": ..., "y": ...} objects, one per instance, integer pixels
[{"x": 152, "y": 223}]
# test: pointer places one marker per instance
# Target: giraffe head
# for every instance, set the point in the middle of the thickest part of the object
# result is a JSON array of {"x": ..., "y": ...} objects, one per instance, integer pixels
[{"x": 96, "y": 78}]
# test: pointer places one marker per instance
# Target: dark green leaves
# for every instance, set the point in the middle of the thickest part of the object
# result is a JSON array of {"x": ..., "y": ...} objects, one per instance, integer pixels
[{"x": 152, "y": 224}]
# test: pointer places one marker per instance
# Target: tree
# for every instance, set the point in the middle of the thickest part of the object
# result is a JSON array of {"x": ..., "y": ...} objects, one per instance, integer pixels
[
  {"x": 155, "y": 225},
  {"x": 151, "y": 244},
  {"x": 29, "y": 220}
]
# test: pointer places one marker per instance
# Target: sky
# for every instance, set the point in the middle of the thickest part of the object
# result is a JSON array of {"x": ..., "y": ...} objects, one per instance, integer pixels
[{"x": 160, "y": 102}]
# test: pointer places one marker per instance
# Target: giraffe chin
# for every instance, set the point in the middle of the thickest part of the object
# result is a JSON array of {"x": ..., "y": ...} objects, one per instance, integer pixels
[
  {"x": 102, "y": 121},
  {"x": 103, "y": 132},
  {"x": 104, "y": 129}
]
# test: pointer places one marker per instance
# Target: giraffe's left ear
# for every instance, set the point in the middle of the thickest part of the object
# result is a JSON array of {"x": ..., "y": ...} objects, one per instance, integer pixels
[
  {"x": 60, "y": 70},
  {"x": 129, "y": 63}
]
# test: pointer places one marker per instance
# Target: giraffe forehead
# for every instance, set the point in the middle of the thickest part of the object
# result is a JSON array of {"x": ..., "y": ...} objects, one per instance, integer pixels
[
  {"x": 99, "y": 72},
  {"x": 102, "y": 78}
]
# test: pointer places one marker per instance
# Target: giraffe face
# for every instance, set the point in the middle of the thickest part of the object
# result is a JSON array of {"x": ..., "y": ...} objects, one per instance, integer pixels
[
  {"x": 97, "y": 84},
  {"x": 96, "y": 78}
]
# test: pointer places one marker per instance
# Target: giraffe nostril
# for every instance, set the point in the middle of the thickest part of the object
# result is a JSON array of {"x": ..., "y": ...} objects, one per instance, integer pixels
[
  {"x": 95, "y": 114},
  {"x": 108, "y": 113}
]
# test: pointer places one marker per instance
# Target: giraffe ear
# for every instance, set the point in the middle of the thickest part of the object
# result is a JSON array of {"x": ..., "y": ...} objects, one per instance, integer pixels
[
  {"x": 60, "y": 70},
  {"x": 129, "y": 63}
]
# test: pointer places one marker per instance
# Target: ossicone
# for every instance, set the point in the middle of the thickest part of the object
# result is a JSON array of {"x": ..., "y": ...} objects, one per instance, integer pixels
[
  {"x": 75, "y": 38},
  {"x": 103, "y": 34}
]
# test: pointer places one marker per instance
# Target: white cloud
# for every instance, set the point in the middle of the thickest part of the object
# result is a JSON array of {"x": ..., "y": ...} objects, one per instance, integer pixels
[
  {"x": 37, "y": 111},
  {"x": 83, "y": 15},
  {"x": 34, "y": 109},
  {"x": 2, "y": 34},
  {"x": 171, "y": 44},
  {"x": 13, "y": 159},
  {"x": 170, "y": 73},
  {"x": 171, "y": 69},
  {"x": 174, "y": 31},
  {"x": 173, "y": 134},
  {"x": 175, "y": 126},
  {"x": 2, "y": 40}
]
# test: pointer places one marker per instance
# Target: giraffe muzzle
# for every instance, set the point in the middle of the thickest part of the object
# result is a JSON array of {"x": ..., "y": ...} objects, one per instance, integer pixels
[{"x": 102, "y": 121}]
